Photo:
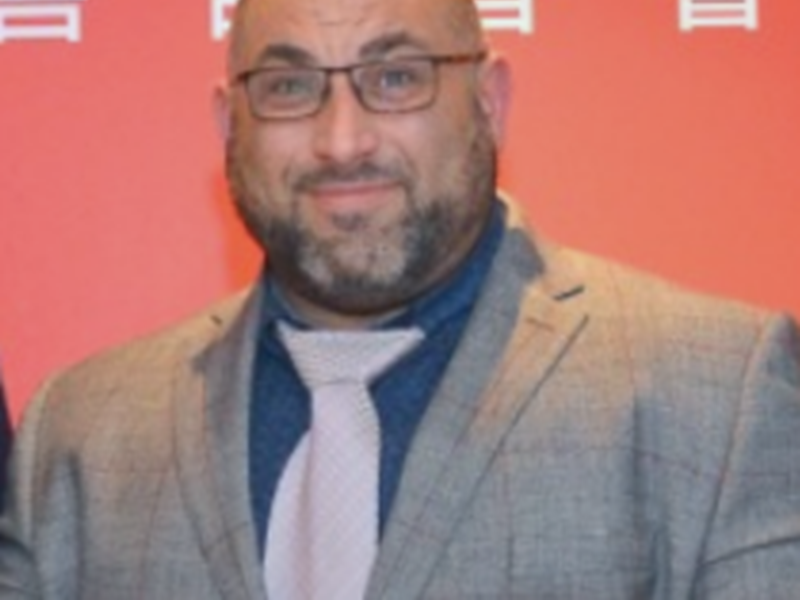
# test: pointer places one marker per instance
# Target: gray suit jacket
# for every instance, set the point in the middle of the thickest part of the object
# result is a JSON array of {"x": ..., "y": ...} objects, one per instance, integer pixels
[{"x": 598, "y": 435}]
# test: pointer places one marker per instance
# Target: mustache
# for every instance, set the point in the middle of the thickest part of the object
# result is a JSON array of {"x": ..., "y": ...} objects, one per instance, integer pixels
[{"x": 339, "y": 174}]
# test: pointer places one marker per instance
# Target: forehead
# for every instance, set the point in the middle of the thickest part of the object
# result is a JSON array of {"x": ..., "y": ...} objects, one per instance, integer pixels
[{"x": 338, "y": 30}]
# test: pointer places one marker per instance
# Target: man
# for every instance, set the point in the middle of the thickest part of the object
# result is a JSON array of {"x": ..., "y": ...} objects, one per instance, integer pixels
[{"x": 554, "y": 426}]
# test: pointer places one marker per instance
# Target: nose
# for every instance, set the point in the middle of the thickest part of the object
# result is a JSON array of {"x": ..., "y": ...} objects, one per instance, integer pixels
[{"x": 344, "y": 131}]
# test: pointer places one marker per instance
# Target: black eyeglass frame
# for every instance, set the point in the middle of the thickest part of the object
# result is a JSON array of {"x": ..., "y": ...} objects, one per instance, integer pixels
[{"x": 435, "y": 61}]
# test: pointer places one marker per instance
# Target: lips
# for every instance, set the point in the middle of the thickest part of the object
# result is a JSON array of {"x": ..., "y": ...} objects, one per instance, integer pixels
[{"x": 353, "y": 196}]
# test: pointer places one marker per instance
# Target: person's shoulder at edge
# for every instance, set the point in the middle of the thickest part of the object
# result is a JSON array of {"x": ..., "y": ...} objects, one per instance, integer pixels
[
  {"x": 648, "y": 308},
  {"x": 661, "y": 319},
  {"x": 147, "y": 361},
  {"x": 6, "y": 435}
]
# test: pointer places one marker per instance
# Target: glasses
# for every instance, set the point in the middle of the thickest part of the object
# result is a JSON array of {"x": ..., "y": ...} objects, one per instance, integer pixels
[{"x": 386, "y": 86}]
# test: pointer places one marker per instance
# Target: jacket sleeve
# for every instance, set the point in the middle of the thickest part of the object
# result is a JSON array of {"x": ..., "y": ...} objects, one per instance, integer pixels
[
  {"x": 752, "y": 547},
  {"x": 18, "y": 567}
]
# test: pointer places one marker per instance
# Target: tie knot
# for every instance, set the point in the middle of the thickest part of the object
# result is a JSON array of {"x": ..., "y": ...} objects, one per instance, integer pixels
[{"x": 326, "y": 357}]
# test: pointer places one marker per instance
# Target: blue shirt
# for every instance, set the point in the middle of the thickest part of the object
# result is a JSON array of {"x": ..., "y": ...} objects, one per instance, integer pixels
[{"x": 280, "y": 404}]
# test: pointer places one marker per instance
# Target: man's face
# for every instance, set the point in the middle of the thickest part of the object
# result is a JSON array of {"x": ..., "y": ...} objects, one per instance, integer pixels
[{"x": 361, "y": 212}]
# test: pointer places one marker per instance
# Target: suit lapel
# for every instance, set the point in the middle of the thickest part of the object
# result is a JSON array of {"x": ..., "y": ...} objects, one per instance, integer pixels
[
  {"x": 211, "y": 408},
  {"x": 520, "y": 314}
]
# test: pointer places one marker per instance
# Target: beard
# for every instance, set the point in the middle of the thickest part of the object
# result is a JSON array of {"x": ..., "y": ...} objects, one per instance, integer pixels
[{"x": 371, "y": 267}]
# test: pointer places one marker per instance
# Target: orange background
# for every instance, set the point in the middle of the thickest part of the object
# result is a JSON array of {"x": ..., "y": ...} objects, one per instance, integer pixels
[{"x": 675, "y": 152}]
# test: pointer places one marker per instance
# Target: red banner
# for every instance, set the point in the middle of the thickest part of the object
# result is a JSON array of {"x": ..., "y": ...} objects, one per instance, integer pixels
[{"x": 662, "y": 133}]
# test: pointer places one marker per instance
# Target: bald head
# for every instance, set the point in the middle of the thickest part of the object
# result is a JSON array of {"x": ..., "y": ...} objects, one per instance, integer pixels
[
  {"x": 460, "y": 17},
  {"x": 360, "y": 210}
]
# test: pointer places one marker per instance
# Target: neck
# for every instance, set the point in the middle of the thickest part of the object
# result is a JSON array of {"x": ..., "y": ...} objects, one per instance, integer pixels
[{"x": 316, "y": 316}]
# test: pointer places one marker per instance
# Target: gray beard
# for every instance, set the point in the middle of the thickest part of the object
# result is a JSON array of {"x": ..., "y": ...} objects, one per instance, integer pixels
[
  {"x": 315, "y": 272},
  {"x": 392, "y": 273}
]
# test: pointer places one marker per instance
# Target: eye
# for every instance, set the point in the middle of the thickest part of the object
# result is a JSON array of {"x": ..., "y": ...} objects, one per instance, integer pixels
[
  {"x": 397, "y": 76},
  {"x": 288, "y": 84},
  {"x": 396, "y": 84},
  {"x": 277, "y": 89}
]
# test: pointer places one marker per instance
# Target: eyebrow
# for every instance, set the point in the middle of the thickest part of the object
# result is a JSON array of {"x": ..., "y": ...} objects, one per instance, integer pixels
[
  {"x": 372, "y": 50},
  {"x": 389, "y": 42},
  {"x": 285, "y": 52}
]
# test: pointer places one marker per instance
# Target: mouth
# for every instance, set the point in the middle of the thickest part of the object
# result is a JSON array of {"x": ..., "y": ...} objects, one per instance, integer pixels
[{"x": 339, "y": 197}]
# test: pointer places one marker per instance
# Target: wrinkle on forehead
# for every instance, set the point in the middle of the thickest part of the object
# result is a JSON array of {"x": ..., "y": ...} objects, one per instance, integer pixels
[
  {"x": 329, "y": 13},
  {"x": 459, "y": 18}
]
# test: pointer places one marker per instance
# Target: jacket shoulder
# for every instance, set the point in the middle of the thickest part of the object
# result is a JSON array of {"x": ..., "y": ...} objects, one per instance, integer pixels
[
  {"x": 667, "y": 332},
  {"x": 615, "y": 290},
  {"x": 154, "y": 353},
  {"x": 133, "y": 381}
]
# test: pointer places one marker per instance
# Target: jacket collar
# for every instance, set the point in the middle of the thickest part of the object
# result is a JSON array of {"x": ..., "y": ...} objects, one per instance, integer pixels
[{"x": 523, "y": 324}]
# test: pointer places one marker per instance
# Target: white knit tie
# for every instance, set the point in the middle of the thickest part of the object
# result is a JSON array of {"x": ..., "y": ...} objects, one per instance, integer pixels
[{"x": 323, "y": 528}]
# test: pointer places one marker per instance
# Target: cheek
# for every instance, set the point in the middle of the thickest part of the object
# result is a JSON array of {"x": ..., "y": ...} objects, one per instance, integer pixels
[
  {"x": 442, "y": 152},
  {"x": 268, "y": 158}
]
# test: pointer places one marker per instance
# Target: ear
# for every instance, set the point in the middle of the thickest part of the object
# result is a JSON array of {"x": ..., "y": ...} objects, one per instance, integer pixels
[
  {"x": 222, "y": 106},
  {"x": 495, "y": 91}
]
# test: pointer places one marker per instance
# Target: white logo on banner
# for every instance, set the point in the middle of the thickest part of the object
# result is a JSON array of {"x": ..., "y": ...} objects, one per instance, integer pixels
[
  {"x": 40, "y": 20},
  {"x": 514, "y": 15},
  {"x": 221, "y": 15},
  {"x": 718, "y": 13}
]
